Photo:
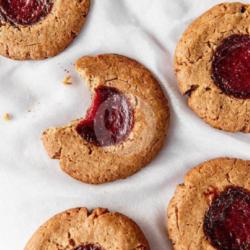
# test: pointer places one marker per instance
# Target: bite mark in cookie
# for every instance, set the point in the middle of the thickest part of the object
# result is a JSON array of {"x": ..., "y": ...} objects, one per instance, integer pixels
[
  {"x": 231, "y": 66},
  {"x": 25, "y": 12},
  {"x": 109, "y": 120},
  {"x": 227, "y": 221}
]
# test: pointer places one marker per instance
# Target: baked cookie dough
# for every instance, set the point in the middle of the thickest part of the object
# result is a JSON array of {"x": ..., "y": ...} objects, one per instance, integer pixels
[
  {"x": 124, "y": 129},
  {"x": 211, "y": 210},
  {"x": 79, "y": 229},
  {"x": 38, "y": 29},
  {"x": 212, "y": 64}
]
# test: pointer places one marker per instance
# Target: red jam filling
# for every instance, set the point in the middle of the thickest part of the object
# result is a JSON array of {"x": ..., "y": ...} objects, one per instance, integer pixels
[
  {"x": 89, "y": 247},
  {"x": 109, "y": 119},
  {"x": 227, "y": 222},
  {"x": 231, "y": 66},
  {"x": 25, "y": 12}
]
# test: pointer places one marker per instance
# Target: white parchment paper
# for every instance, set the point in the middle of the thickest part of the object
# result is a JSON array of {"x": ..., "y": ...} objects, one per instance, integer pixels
[{"x": 33, "y": 188}]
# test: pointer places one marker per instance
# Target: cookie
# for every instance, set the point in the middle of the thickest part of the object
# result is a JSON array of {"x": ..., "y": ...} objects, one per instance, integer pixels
[
  {"x": 124, "y": 129},
  {"x": 211, "y": 210},
  {"x": 212, "y": 64},
  {"x": 79, "y": 229},
  {"x": 39, "y": 29}
]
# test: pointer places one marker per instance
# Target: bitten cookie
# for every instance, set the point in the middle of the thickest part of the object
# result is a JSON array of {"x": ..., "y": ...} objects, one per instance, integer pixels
[
  {"x": 32, "y": 29},
  {"x": 79, "y": 229},
  {"x": 211, "y": 210},
  {"x": 212, "y": 64},
  {"x": 124, "y": 128}
]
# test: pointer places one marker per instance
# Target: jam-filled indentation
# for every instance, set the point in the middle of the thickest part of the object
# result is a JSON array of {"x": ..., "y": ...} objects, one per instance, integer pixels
[
  {"x": 109, "y": 119},
  {"x": 25, "y": 12},
  {"x": 227, "y": 221},
  {"x": 89, "y": 247},
  {"x": 231, "y": 66}
]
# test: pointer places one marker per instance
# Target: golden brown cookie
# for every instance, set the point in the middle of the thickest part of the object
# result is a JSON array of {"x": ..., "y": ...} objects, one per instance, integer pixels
[
  {"x": 212, "y": 64},
  {"x": 211, "y": 209},
  {"x": 124, "y": 128},
  {"x": 39, "y": 29},
  {"x": 79, "y": 229}
]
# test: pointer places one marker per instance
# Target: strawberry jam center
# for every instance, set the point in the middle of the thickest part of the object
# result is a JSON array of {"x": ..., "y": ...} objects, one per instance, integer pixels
[
  {"x": 88, "y": 247},
  {"x": 24, "y": 12},
  {"x": 109, "y": 119},
  {"x": 227, "y": 222},
  {"x": 231, "y": 66}
]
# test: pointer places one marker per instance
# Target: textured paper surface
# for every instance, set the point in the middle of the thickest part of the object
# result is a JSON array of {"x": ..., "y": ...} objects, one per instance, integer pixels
[{"x": 33, "y": 188}]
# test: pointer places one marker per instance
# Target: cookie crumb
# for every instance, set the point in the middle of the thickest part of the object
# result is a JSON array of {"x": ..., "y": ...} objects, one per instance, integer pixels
[
  {"x": 67, "y": 80},
  {"x": 7, "y": 117}
]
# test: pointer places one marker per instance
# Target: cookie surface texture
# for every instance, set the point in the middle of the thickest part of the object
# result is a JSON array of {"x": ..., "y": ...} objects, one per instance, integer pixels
[
  {"x": 39, "y": 29},
  {"x": 210, "y": 210},
  {"x": 79, "y": 229},
  {"x": 124, "y": 128},
  {"x": 212, "y": 64}
]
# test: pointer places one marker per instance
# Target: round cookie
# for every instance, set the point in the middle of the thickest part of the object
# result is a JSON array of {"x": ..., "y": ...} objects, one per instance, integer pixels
[
  {"x": 211, "y": 209},
  {"x": 39, "y": 29},
  {"x": 212, "y": 64},
  {"x": 79, "y": 229},
  {"x": 124, "y": 128}
]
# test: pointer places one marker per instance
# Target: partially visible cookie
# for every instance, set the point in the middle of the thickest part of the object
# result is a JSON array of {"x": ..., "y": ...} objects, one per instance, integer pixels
[
  {"x": 39, "y": 29},
  {"x": 212, "y": 64},
  {"x": 124, "y": 129},
  {"x": 79, "y": 229},
  {"x": 211, "y": 209}
]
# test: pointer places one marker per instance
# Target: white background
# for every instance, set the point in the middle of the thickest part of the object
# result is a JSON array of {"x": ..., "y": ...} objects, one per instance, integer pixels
[{"x": 33, "y": 188}]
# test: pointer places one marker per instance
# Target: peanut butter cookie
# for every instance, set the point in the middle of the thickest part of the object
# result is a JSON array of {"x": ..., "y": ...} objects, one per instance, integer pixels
[
  {"x": 124, "y": 129},
  {"x": 212, "y": 64}
]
